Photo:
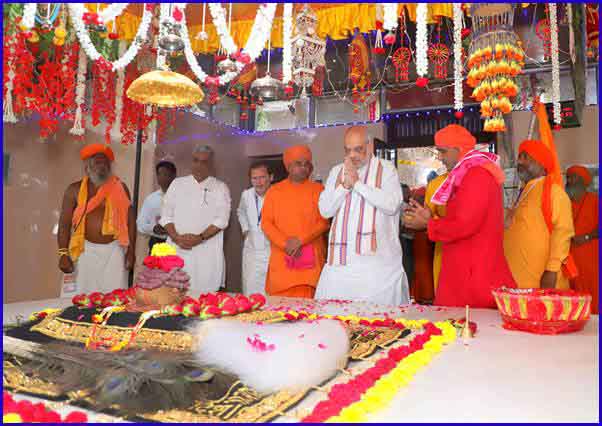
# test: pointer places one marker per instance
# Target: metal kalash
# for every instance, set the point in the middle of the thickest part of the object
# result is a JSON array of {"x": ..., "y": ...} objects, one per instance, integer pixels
[{"x": 495, "y": 58}]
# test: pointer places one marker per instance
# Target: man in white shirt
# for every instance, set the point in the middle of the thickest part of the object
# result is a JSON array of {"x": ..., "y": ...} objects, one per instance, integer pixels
[
  {"x": 363, "y": 196},
  {"x": 148, "y": 218},
  {"x": 196, "y": 210},
  {"x": 256, "y": 247}
]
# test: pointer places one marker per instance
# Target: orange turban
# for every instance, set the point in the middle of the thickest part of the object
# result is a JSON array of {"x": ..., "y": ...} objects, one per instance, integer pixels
[
  {"x": 539, "y": 152},
  {"x": 297, "y": 152},
  {"x": 580, "y": 171},
  {"x": 455, "y": 136},
  {"x": 96, "y": 148}
]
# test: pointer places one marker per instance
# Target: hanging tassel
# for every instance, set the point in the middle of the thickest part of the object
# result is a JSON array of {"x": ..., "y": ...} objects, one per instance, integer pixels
[
  {"x": 378, "y": 48},
  {"x": 9, "y": 115},
  {"x": 78, "y": 128}
]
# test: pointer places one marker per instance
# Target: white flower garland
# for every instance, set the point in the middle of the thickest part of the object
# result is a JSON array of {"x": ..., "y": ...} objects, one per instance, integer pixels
[
  {"x": 389, "y": 16},
  {"x": 555, "y": 62},
  {"x": 80, "y": 93},
  {"x": 8, "y": 115},
  {"x": 218, "y": 14},
  {"x": 112, "y": 11},
  {"x": 287, "y": 33},
  {"x": 29, "y": 16},
  {"x": 193, "y": 63},
  {"x": 569, "y": 15},
  {"x": 458, "y": 91},
  {"x": 260, "y": 33},
  {"x": 164, "y": 16},
  {"x": 422, "y": 65},
  {"x": 78, "y": 9}
]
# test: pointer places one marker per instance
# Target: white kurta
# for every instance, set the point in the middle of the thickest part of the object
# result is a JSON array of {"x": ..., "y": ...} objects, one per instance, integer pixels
[
  {"x": 256, "y": 248},
  {"x": 150, "y": 213},
  {"x": 377, "y": 277},
  {"x": 192, "y": 206}
]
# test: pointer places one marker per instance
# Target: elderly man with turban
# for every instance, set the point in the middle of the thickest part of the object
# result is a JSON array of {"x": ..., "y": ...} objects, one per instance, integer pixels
[
  {"x": 363, "y": 196},
  {"x": 97, "y": 229},
  {"x": 540, "y": 227},
  {"x": 292, "y": 223},
  {"x": 472, "y": 230},
  {"x": 584, "y": 246}
]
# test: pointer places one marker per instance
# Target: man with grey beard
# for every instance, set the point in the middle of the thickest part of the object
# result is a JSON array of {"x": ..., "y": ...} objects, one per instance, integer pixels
[{"x": 97, "y": 231}]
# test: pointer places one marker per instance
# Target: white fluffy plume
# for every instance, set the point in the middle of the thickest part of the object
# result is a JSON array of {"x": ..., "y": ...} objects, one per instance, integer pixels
[{"x": 273, "y": 357}]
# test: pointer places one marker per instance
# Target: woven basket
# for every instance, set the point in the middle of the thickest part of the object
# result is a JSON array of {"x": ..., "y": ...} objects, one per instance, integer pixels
[{"x": 543, "y": 311}]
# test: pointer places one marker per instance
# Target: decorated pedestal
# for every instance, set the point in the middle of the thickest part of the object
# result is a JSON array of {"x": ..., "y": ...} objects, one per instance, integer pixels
[{"x": 543, "y": 311}]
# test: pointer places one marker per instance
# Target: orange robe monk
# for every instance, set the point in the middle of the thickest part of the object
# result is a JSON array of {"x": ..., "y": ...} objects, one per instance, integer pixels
[
  {"x": 585, "y": 243},
  {"x": 437, "y": 211},
  {"x": 292, "y": 223},
  {"x": 422, "y": 288},
  {"x": 533, "y": 247}
]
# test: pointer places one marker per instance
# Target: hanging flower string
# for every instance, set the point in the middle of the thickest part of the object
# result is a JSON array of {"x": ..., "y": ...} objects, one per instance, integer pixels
[
  {"x": 421, "y": 45},
  {"x": 458, "y": 66},
  {"x": 103, "y": 96},
  {"x": 287, "y": 53},
  {"x": 119, "y": 92},
  {"x": 555, "y": 63},
  {"x": 9, "y": 74},
  {"x": 77, "y": 11},
  {"x": 79, "y": 127}
]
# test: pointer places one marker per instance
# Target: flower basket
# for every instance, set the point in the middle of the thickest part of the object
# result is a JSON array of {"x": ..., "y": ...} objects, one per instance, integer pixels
[{"x": 543, "y": 311}]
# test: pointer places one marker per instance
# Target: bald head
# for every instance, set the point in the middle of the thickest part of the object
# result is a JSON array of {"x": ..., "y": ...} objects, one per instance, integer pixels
[{"x": 358, "y": 145}]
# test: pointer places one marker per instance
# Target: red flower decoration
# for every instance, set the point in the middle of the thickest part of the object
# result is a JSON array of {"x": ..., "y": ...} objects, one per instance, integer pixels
[
  {"x": 177, "y": 14},
  {"x": 258, "y": 300},
  {"x": 465, "y": 32},
  {"x": 459, "y": 114},
  {"x": 422, "y": 81},
  {"x": 96, "y": 298}
]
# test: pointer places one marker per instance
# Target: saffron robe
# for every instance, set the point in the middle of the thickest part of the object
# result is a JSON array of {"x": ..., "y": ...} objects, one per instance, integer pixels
[
  {"x": 291, "y": 210},
  {"x": 436, "y": 211},
  {"x": 585, "y": 218},
  {"x": 471, "y": 234},
  {"x": 530, "y": 248}
]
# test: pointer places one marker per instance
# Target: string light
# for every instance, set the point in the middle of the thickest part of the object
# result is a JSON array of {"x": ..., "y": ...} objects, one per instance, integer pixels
[{"x": 555, "y": 63}]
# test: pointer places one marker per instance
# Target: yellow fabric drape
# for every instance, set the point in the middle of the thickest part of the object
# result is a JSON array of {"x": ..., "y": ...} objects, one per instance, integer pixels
[
  {"x": 436, "y": 211},
  {"x": 337, "y": 22}
]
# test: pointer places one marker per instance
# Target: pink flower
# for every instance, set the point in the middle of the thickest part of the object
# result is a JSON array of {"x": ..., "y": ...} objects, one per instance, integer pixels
[{"x": 321, "y": 345}]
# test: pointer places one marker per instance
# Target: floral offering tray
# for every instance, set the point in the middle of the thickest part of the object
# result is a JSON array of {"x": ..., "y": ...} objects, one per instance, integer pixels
[{"x": 381, "y": 359}]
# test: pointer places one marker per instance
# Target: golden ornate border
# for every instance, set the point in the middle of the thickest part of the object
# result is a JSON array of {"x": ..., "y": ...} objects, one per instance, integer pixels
[{"x": 147, "y": 338}]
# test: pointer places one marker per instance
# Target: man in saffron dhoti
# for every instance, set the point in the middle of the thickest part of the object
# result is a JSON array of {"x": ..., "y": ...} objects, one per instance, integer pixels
[
  {"x": 364, "y": 198},
  {"x": 97, "y": 227},
  {"x": 196, "y": 210}
]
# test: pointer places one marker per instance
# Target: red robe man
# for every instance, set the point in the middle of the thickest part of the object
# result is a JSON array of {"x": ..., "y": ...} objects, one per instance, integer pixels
[{"x": 472, "y": 232}]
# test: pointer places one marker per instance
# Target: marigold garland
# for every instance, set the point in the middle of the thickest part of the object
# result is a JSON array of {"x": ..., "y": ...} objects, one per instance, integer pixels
[
  {"x": 375, "y": 387},
  {"x": 25, "y": 411}
]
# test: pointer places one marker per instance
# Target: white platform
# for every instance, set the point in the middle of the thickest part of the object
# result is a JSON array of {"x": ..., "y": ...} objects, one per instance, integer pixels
[{"x": 501, "y": 376}]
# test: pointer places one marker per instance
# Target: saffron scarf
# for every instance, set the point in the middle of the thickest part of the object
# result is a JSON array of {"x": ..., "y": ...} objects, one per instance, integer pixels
[
  {"x": 115, "y": 220},
  {"x": 454, "y": 179}
]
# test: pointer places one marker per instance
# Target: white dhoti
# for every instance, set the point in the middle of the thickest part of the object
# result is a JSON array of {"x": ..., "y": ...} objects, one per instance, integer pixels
[
  {"x": 370, "y": 280},
  {"x": 101, "y": 267},
  {"x": 365, "y": 260}
]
